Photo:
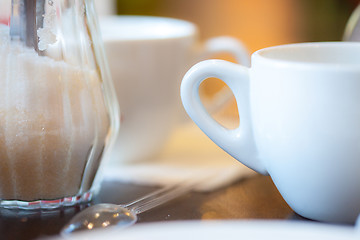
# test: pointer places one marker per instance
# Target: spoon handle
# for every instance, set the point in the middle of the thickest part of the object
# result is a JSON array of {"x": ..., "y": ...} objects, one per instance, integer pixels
[{"x": 160, "y": 196}]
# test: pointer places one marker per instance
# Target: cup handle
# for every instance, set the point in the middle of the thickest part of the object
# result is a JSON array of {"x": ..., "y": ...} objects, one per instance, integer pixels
[
  {"x": 225, "y": 44},
  {"x": 218, "y": 45},
  {"x": 238, "y": 142}
]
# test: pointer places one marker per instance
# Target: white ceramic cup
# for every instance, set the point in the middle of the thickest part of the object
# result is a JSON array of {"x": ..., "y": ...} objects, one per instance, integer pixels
[
  {"x": 299, "y": 122},
  {"x": 148, "y": 56}
]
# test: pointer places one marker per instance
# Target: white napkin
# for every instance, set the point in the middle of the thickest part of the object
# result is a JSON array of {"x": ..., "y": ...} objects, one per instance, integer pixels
[{"x": 189, "y": 154}]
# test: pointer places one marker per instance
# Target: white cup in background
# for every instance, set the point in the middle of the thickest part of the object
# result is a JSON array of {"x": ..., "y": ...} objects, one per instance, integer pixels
[
  {"x": 106, "y": 7},
  {"x": 148, "y": 57}
]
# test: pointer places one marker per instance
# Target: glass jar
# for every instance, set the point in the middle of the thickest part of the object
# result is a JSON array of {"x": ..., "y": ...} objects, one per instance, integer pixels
[{"x": 58, "y": 109}]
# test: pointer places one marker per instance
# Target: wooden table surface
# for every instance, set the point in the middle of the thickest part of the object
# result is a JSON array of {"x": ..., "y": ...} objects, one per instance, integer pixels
[{"x": 252, "y": 198}]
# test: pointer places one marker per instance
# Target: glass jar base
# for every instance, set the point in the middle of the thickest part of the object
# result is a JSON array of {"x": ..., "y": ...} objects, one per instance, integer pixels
[{"x": 47, "y": 204}]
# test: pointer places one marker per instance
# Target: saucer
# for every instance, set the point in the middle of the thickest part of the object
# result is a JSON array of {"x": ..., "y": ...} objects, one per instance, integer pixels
[{"x": 233, "y": 229}]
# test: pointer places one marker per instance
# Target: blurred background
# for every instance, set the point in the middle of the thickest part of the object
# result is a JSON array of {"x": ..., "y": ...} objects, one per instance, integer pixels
[{"x": 258, "y": 23}]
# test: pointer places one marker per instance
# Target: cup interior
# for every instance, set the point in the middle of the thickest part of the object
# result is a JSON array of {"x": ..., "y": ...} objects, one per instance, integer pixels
[
  {"x": 144, "y": 27},
  {"x": 314, "y": 53}
]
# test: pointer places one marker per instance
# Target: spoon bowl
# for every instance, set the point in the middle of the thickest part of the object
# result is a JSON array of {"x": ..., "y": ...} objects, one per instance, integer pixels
[{"x": 101, "y": 216}]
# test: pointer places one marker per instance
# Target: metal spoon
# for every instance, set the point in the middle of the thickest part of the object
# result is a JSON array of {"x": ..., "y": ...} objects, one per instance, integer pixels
[
  {"x": 26, "y": 17},
  {"x": 109, "y": 215}
]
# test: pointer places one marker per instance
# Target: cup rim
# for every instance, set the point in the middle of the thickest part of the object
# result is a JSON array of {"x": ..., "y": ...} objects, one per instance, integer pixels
[
  {"x": 163, "y": 28},
  {"x": 265, "y": 55}
]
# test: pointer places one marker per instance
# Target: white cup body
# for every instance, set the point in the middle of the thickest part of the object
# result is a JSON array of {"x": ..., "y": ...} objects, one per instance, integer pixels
[
  {"x": 306, "y": 121},
  {"x": 147, "y": 58},
  {"x": 301, "y": 123}
]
